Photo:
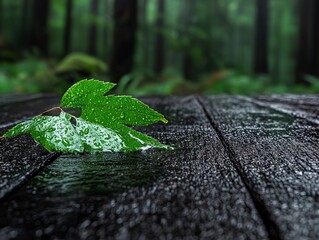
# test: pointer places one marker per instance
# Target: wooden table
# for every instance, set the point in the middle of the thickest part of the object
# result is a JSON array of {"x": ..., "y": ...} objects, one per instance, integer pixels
[{"x": 245, "y": 168}]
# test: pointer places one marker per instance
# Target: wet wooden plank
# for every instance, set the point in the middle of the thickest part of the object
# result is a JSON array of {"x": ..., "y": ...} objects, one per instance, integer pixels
[
  {"x": 12, "y": 98},
  {"x": 13, "y": 111},
  {"x": 21, "y": 158},
  {"x": 193, "y": 192},
  {"x": 277, "y": 156},
  {"x": 302, "y": 106},
  {"x": 304, "y": 101}
]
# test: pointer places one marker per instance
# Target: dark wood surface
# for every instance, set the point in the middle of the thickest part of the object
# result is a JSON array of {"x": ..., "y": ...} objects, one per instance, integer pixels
[{"x": 244, "y": 168}]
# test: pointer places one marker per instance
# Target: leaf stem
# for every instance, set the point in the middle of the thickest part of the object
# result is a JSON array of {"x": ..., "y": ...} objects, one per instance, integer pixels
[
  {"x": 1, "y": 137},
  {"x": 51, "y": 109},
  {"x": 70, "y": 114},
  {"x": 54, "y": 108}
]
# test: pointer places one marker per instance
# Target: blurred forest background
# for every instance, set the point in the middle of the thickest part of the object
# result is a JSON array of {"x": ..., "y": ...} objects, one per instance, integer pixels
[{"x": 161, "y": 46}]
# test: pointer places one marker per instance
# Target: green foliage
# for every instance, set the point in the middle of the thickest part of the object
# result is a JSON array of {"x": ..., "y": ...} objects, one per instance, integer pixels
[
  {"x": 101, "y": 127},
  {"x": 219, "y": 82},
  {"x": 236, "y": 83},
  {"x": 27, "y": 75},
  {"x": 141, "y": 84},
  {"x": 81, "y": 62},
  {"x": 32, "y": 74},
  {"x": 314, "y": 83},
  {"x": 212, "y": 35}
]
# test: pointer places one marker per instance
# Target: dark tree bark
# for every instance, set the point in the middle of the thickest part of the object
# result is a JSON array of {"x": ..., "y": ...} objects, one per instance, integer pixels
[
  {"x": 187, "y": 62},
  {"x": 147, "y": 60},
  {"x": 25, "y": 17},
  {"x": 187, "y": 66},
  {"x": 159, "y": 44},
  {"x": 1, "y": 16},
  {"x": 67, "y": 27},
  {"x": 316, "y": 38},
  {"x": 261, "y": 38},
  {"x": 105, "y": 34},
  {"x": 39, "y": 26},
  {"x": 93, "y": 28},
  {"x": 308, "y": 45},
  {"x": 25, "y": 34},
  {"x": 125, "y": 24}
]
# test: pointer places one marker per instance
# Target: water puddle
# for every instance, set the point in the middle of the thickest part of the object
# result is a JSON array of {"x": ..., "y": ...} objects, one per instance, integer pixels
[{"x": 98, "y": 174}]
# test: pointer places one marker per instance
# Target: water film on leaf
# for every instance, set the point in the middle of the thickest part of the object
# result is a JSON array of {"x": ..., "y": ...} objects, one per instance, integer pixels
[{"x": 104, "y": 125}]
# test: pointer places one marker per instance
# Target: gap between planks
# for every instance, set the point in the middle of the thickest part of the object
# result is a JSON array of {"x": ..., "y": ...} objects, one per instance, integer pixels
[
  {"x": 53, "y": 156},
  {"x": 26, "y": 178},
  {"x": 270, "y": 224}
]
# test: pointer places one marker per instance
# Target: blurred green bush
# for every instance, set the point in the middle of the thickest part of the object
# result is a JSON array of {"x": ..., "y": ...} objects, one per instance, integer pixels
[{"x": 32, "y": 75}]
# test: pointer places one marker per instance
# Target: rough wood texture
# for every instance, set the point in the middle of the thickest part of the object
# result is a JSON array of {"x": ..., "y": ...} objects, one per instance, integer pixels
[
  {"x": 17, "y": 109},
  {"x": 193, "y": 192},
  {"x": 20, "y": 158},
  {"x": 302, "y": 106},
  {"x": 277, "y": 156},
  {"x": 245, "y": 168}
]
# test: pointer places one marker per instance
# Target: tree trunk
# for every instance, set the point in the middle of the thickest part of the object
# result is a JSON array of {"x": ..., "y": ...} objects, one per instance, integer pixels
[
  {"x": 144, "y": 28},
  {"x": 261, "y": 38},
  {"x": 308, "y": 46},
  {"x": 105, "y": 33},
  {"x": 39, "y": 28},
  {"x": 125, "y": 24},
  {"x": 278, "y": 49},
  {"x": 1, "y": 17},
  {"x": 93, "y": 27},
  {"x": 67, "y": 27},
  {"x": 25, "y": 17},
  {"x": 187, "y": 62},
  {"x": 316, "y": 38},
  {"x": 159, "y": 44}
]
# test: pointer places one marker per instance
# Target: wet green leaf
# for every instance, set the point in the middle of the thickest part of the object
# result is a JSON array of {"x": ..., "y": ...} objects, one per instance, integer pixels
[
  {"x": 103, "y": 125},
  {"x": 114, "y": 112},
  {"x": 57, "y": 133},
  {"x": 95, "y": 137},
  {"x": 89, "y": 95}
]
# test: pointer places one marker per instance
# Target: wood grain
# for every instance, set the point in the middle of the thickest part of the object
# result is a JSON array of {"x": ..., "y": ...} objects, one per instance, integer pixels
[
  {"x": 276, "y": 154},
  {"x": 21, "y": 158},
  {"x": 195, "y": 191}
]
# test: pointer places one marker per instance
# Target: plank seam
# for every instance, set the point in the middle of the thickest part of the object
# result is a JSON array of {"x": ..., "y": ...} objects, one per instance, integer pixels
[
  {"x": 29, "y": 176},
  {"x": 41, "y": 166},
  {"x": 270, "y": 225}
]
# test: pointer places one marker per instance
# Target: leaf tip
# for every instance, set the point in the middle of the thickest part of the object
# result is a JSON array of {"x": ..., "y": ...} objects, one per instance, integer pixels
[
  {"x": 170, "y": 147},
  {"x": 164, "y": 120}
]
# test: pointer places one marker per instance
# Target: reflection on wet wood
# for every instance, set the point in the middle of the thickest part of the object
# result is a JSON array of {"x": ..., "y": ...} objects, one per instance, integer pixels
[
  {"x": 244, "y": 168},
  {"x": 276, "y": 155}
]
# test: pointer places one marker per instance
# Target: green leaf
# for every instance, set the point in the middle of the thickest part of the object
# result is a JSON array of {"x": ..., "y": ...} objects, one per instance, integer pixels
[
  {"x": 98, "y": 138},
  {"x": 22, "y": 128},
  {"x": 59, "y": 134},
  {"x": 108, "y": 110},
  {"x": 103, "y": 125},
  {"x": 114, "y": 112},
  {"x": 55, "y": 133},
  {"x": 84, "y": 93}
]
